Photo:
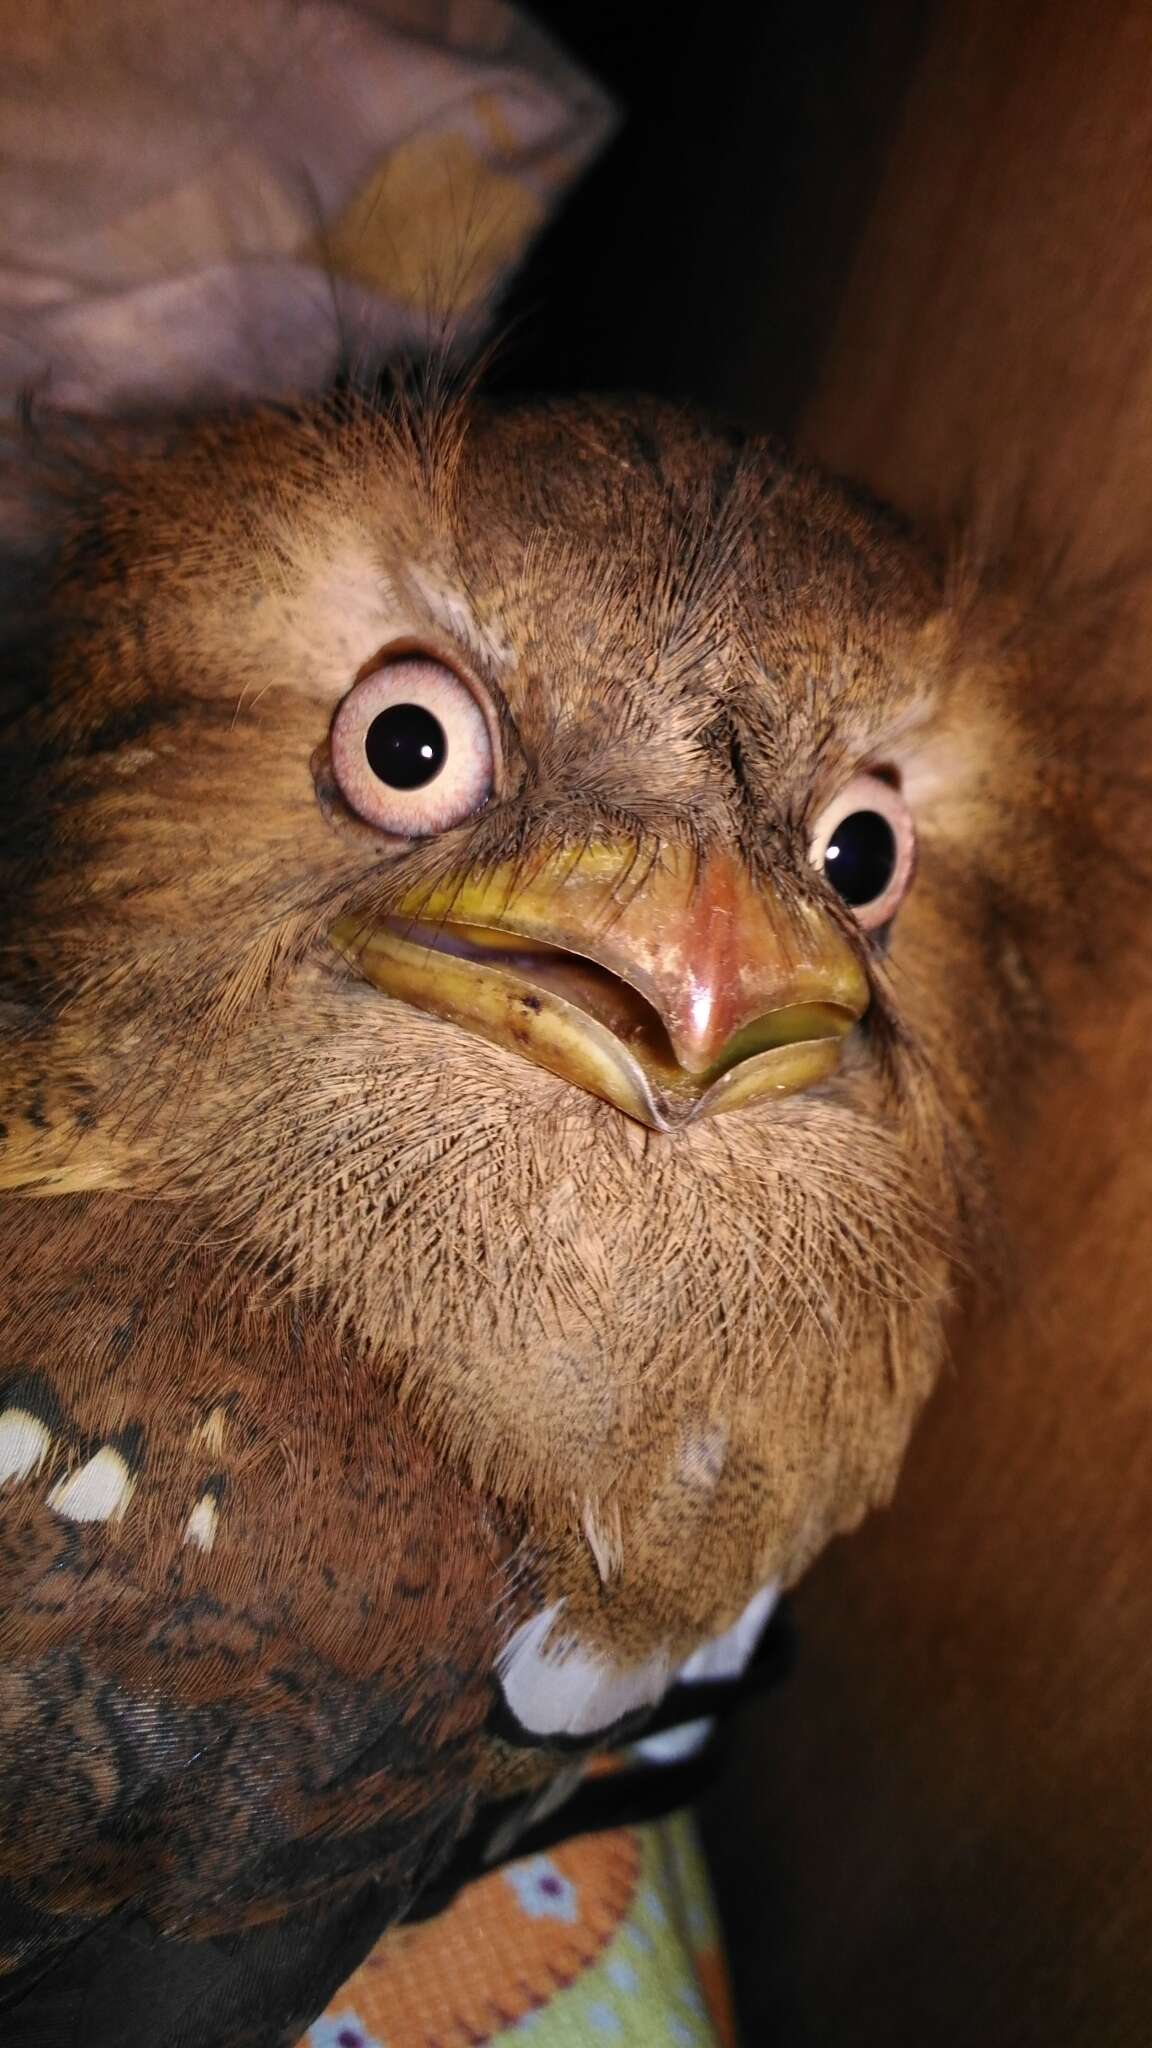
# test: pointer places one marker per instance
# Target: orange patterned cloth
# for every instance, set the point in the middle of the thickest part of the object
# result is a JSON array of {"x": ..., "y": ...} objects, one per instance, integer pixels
[{"x": 609, "y": 1939}]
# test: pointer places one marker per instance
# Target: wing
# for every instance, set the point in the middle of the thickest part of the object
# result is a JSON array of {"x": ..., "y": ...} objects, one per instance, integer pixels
[{"x": 246, "y": 1653}]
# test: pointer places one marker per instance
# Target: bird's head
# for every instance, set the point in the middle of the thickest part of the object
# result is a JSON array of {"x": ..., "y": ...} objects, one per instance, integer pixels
[{"x": 556, "y": 892}]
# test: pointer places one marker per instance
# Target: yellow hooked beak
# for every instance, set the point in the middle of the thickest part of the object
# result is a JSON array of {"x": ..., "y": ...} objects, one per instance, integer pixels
[{"x": 675, "y": 989}]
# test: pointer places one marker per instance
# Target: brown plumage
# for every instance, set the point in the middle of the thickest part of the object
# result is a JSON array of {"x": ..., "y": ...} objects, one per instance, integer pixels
[{"x": 393, "y": 1343}]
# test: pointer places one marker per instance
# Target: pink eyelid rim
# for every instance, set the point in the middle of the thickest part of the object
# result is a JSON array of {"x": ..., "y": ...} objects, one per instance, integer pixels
[
  {"x": 404, "y": 656},
  {"x": 871, "y": 791}
]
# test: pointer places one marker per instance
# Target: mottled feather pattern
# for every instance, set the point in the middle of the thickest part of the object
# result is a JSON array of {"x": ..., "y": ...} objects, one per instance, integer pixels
[{"x": 231, "y": 1733}]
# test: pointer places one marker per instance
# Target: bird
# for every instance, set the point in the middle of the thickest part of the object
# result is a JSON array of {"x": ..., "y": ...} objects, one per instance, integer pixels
[{"x": 520, "y": 917}]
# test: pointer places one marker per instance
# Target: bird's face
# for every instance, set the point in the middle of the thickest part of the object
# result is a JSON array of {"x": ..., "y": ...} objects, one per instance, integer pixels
[{"x": 544, "y": 890}]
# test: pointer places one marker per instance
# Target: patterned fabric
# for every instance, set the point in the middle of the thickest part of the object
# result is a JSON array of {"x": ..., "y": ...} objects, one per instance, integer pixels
[
  {"x": 232, "y": 198},
  {"x": 609, "y": 1939}
]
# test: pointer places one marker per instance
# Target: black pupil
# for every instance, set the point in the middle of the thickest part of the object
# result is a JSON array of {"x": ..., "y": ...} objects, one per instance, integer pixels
[
  {"x": 405, "y": 746},
  {"x": 860, "y": 859}
]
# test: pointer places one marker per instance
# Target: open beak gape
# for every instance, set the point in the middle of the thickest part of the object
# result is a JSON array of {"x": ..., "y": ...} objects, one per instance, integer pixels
[{"x": 676, "y": 990}]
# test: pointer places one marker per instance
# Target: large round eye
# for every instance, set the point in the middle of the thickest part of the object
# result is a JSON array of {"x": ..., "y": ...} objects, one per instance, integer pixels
[
  {"x": 864, "y": 845},
  {"x": 411, "y": 750}
]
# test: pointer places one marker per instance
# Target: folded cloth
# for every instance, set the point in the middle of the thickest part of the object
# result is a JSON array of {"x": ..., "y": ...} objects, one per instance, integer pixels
[{"x": 232, "y": 199}]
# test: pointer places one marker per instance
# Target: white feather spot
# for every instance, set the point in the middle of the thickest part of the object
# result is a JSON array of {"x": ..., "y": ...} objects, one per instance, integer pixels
[
  {"x": 703, "y": 1456},
  {"x": 132, "y": 760},
  {"x": 675, "y": 1745},
  {"x": 209, "y": 1434},
  {"x": 24, "y": 1444},
  {"x": 200, "y": 1528},
  {"x": 728, "y": 1655},
  {"x": 605, "y": 1538},
  {"x": 98, "y": 1492},
  {"x": 555, "y": 1686}
]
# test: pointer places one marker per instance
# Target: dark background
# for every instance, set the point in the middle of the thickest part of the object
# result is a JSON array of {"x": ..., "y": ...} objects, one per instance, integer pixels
[{"x": 704, "y": 255}]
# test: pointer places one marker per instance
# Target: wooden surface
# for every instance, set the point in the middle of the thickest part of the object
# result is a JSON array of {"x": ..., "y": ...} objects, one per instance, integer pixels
[{"x": 952, "y": 1799}]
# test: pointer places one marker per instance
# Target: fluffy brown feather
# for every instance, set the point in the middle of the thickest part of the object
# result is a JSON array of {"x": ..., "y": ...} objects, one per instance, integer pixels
[{"x": 653, "y": 1370}]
